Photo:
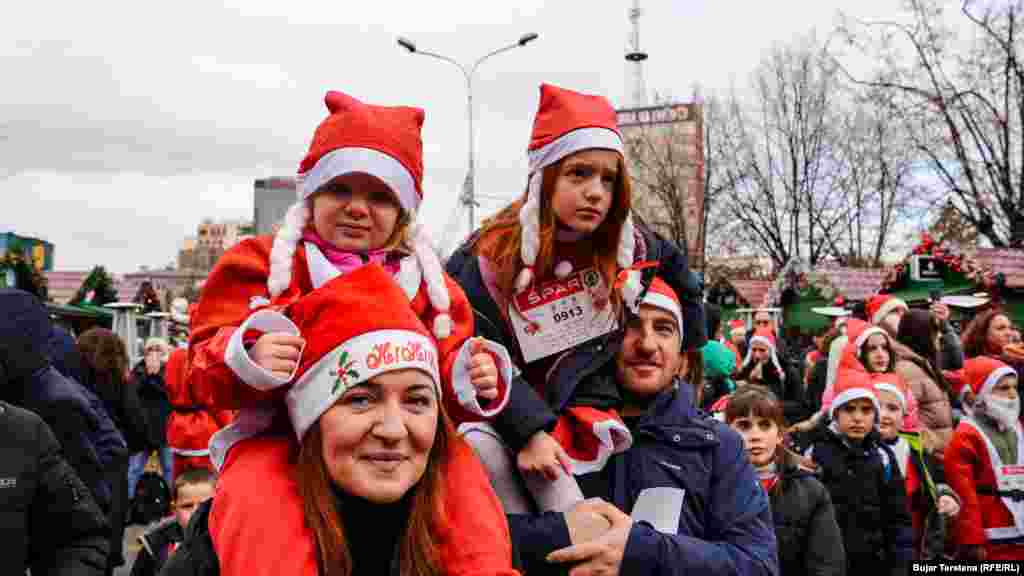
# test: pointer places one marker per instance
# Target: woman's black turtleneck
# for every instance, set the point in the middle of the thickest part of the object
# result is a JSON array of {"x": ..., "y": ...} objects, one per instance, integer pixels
[{"x": 373, "y": 531}]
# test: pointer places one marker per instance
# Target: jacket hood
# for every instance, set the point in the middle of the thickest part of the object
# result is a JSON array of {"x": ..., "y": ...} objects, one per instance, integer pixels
[
  {"x": 24, "y": 335},
  {"x": 719, "y": 361}
]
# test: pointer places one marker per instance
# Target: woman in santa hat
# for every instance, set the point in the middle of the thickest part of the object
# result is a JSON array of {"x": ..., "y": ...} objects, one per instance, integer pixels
[
  {"x": 985, "y": 465},
  {"x": 762, "y": 366},
  {"x": 572, "y": 225},
  {"x": 358, "y": 190},
  {"x": 931, "y": 501},
  {"x": 369, "y": 454}
]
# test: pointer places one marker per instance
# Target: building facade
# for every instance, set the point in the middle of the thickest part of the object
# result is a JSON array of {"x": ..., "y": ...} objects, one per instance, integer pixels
[
  {"x": 665, "y": 158},
  {"x": 271, "y": 199},
  {"x": 199, "y": 253}
]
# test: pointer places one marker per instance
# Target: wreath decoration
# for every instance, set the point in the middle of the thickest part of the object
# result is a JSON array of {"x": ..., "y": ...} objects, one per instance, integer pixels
[{"x": 960, "y": 268}]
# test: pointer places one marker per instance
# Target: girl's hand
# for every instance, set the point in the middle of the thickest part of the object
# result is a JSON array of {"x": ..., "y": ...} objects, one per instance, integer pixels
[
  {"x": 544, "y": 455},
  {"x": 483, "y": 373},
  {"x": 277, "y": 353},
  {"x": 948, "y": 506}
]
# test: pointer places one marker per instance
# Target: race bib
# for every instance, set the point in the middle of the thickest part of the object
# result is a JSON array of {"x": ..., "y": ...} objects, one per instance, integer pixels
[
  {"x": 1011, "y": 478},
  {"x": 555, "y": 316}
]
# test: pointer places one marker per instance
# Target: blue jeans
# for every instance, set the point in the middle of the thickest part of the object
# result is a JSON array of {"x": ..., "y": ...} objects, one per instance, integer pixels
[{"x": 137, "y": 465}]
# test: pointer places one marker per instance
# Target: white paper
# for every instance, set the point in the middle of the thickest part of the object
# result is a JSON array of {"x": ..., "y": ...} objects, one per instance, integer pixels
[{"x": 661, "y": 507}]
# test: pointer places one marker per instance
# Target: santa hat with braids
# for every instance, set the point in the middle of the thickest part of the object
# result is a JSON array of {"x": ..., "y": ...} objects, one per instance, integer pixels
[
  {"x": 566, "y": 122},
  {"x": 383, "y": 141}
]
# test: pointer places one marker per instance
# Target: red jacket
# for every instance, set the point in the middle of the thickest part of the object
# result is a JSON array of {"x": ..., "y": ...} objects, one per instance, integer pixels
[
  {"x": 984, "y": 519},
  {"x": 193, "y": 419}
]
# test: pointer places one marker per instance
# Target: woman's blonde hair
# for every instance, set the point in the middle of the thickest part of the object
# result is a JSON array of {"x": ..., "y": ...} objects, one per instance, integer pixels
[
  {"x": 417, "y": 545},
  {"x": 500, "y": 239}
]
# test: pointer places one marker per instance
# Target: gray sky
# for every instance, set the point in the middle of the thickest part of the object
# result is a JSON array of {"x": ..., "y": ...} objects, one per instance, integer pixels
[{"x": 123, "y": 124}]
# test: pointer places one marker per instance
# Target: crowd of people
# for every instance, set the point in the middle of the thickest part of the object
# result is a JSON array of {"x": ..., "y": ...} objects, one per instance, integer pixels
[{"x": 555, "y": 397}]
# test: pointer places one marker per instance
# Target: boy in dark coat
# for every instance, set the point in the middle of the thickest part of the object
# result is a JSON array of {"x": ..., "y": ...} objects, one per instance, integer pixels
[{"x": 191, "y": 489}]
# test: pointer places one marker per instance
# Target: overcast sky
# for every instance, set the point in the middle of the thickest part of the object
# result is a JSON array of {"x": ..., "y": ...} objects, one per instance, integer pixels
[{"x": 123, "y": 124}]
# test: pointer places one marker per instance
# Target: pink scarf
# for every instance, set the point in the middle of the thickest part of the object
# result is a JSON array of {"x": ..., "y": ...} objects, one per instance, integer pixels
[{"x": 346, "y": 261}]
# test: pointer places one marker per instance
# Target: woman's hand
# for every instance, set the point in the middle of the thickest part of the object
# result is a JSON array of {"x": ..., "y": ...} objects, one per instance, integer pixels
[
  {"x": 544, "y": 455},
  {"x": 483, "y": 373},
  {"x": 948, "y": 506},
  {"x": 277, "y": 353}
]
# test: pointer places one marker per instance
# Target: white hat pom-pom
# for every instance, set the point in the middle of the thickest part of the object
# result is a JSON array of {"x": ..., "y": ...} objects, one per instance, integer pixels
[
  {"x": 524, "y": 279},
  {"x": 442, "y": 326},
  {"x": 563, "y": 269},
  {"x": 283, "y": 250},
  {"x": 631, "y": 289}
]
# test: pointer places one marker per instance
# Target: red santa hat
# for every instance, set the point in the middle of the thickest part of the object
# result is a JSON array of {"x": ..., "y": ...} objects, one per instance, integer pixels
[
  {"x": 383, "y": 141},
  {"x": 852, "y": 385},
  {"x": 892, "y": 383},
  {"x": 659, "y": 294},
  {"x": 982, "y": 373},
  {"x": 858, "y": 332},
  {"x": 880, "y": 305},
  {"x": 737, "y": 326},
  {"x": 356, "y": 327},
  {"x": 765, "y": 337},
  {"x": 566, "y": 122}
]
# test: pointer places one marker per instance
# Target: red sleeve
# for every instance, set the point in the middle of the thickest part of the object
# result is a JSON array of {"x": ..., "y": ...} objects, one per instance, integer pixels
[
  {"x": 237, "y": 281},
  {"x": 962, "y": 470}
]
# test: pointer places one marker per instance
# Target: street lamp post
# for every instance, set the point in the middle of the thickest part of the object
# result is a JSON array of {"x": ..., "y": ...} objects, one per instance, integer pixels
[{"x": 468, "y": 194}]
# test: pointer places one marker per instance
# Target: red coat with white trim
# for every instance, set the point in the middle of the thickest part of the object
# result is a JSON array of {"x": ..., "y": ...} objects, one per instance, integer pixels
[
  {"x": 237, "y": 287},
  {"x": 193, "y": 419},
  {"x": 968, "y": 466}
]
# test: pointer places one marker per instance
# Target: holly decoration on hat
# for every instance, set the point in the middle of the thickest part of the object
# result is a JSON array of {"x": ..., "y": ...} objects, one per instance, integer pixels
[{"x": 345, "y": 371}]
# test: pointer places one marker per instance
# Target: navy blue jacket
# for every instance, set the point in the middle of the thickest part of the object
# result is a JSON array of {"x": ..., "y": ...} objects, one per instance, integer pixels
[
  {"x": 725, "y": 525},
  {"x": 526, "y": 412}
]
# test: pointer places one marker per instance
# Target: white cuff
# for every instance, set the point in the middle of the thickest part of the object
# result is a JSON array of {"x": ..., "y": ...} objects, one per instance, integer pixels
[
  {"x": 463, "y": 387},
  {"x": 237, "y": 358}
]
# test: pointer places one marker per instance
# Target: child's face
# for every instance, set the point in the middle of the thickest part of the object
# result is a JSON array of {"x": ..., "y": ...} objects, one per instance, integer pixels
[
  {"x": 190, "y": 496},
  {"x": 856, "y": 418},
  {"x": 891, "y": 415},
  {"x": 761, "y": 438}
]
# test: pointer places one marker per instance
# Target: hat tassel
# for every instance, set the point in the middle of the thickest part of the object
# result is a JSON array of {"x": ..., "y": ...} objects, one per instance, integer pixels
[
  {"x": 529, "y": 222},
  {"x": 283, "y": 250},
  {"x": 433, "y": 277}
]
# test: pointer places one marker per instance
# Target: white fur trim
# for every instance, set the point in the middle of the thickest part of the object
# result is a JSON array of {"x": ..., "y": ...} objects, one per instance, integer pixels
[
  {"x": 433, "y": 278},
  {"x": 367, "y": 356},
  {"x": 884, "y": 310},
  {"x": 466, "y": 394},
  {"x": 348, "y": 160},
  {"x": 849, "y": 395},
  {"x": 192, "y": 453},
  {"x": 659, "y": 300},
  {"x": 859, "y": 342},
  {"x": 563, "y": 269},
  {"x": 321, "y": 271},
  {"x": 887, "y": 387},
  {"x": 249, "y": 423},
  {"x": 627, "y": 243},
  {"x": 994, "y": 377},
  {"x": 283, "y": 250},
  {"x": 524, "y": 278},
  {"x": 613, "y": 438},
  {"x": 572, "y": 142},
  {"x": 237, "y": 358}
]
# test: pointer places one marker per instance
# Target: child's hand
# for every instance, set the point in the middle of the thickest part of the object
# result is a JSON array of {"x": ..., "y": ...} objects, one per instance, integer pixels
[
  {"x": 277, "y": 353},
  {"x": 483, "y": 374},
  {"x": 948, "y": 506},
  {"x": 544, "y": 455}
]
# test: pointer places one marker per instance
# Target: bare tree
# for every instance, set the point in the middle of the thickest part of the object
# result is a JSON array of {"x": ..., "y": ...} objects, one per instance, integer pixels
[
  {"x": 960, "y": 99},
  {"x": 774, "y": 159},
  {"x": 665, "y": 149}
]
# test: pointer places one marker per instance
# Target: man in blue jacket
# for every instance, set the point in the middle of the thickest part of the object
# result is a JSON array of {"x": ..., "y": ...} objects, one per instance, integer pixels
[{"x": 683, "y": 499}]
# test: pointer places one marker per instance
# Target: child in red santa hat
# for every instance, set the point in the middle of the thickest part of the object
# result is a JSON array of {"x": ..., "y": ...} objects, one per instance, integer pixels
[
  {"x": 358, "y": 188},
  {"x": 931, "y": 501},
  {"x": 868, "y": 492},
  {"x": 985, "y": 465}
]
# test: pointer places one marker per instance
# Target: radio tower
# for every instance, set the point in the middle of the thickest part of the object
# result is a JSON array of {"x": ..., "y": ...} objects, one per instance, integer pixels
[{"x": 635, "y": 56}]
